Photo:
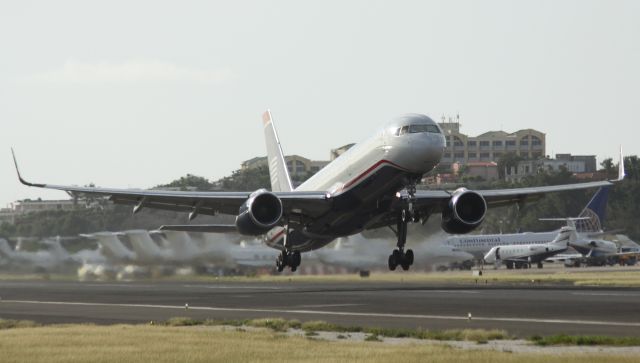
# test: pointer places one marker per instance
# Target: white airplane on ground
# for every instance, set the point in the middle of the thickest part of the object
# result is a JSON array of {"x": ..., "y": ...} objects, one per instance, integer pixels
[
  {"x": 370, "y": 186},
  {"x": 522, "y": 256},
  {"x": 355, "y": 253},
  {"x": 186, "y": 250},
  {"x": 53, "y": 257},
  {"x": 147, "y": 251},
  {"x": 112, "y": 248}
]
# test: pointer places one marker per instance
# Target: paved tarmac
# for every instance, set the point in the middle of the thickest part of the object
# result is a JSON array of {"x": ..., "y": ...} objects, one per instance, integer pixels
[{"x": 523, "y": 311}]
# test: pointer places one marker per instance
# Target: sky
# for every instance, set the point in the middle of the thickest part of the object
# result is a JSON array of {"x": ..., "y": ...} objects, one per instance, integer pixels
[{"x": 139, "y": 93}]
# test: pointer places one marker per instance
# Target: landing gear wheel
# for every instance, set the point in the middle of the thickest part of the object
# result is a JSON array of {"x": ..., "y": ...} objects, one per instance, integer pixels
[
  {"x": 279, "y": 263},
  {"x": 393, "y": 263},
  {"x": 291, "y": 259},
  {"x": 539, "y": 264},
  {"x": 296, "y": 259},
  {"x": 408, "y": 255}
]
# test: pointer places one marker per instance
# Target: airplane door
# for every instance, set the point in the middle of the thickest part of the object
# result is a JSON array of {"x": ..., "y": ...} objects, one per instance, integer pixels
[{"x": 498, "y": 253}]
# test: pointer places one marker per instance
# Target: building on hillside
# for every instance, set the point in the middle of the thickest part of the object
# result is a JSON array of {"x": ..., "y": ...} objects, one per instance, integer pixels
[
  {"x": 580, "y": 165},
  {"x": 490, "y": 146},
  {"x": 487, "y": 170},
  {"x": 22, "y": 207},
  {"x": 7, "y": 215}
]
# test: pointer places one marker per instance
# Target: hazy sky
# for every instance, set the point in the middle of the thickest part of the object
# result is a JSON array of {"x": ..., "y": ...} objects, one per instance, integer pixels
[{"x": 137, "y": 93}]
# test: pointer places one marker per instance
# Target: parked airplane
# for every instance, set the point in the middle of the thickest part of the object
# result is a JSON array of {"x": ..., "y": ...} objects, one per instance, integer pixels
[
  {"x": 372, "y": 185},
  {"x": 521, "y": 256},
  {"x": 112, "y": 248},
  {"x": 588, "y": 226},
  {"x": 52, "y": 257}
]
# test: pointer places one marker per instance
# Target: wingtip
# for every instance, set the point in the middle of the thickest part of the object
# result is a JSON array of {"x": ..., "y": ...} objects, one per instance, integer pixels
[{"x": 22, "y": 180}]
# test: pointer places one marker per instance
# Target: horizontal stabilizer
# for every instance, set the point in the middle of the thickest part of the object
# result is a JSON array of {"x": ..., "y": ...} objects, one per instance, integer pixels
[{"x": 206, "y": 228}]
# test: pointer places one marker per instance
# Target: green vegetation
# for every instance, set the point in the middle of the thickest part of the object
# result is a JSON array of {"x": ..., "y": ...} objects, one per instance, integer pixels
[
  {"x": 312, "y": 327},
  {"x": 145, "y": 343},
  {"x": 563, "y": 339}
]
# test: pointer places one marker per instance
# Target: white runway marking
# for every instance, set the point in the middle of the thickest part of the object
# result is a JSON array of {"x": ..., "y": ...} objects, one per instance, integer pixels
[
  {"x": 605, "y": 294},
  {"x": 327, "y": 305},
  {"x": 335, "y": 313},
  {"x": 235, "y": 287},
  {"x": 453, "y": 291}
]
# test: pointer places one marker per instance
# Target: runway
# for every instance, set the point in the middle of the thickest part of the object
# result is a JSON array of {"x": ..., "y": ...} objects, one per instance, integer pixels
[{"x": 519, "y": 310}]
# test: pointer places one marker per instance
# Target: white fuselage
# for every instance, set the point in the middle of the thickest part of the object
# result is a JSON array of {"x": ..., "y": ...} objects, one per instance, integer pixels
[{"x": 370, "y": 171}]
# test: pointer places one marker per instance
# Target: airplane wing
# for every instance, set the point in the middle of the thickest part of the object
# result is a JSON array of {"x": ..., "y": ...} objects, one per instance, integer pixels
[
  {"x": 498, "y": 197},
  {"x": 429, "y": 202},
  {"x": 307, "y": 204},
  {"x": 206, "y": 203}
]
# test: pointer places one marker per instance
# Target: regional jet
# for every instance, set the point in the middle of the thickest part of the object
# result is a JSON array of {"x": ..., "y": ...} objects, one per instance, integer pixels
[
  {"x": 372, "y": 185},
  {"x": 521, "y": 256}
]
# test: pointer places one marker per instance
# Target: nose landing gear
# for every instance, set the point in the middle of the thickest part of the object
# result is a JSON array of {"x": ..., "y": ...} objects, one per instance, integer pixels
[
  {"x": 400, "y": 257},
  {"x": 288, "y": 257}
]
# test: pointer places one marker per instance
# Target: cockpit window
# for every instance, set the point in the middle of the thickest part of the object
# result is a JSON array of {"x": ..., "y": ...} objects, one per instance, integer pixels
[
  {"x": 414, "y": 129},
  {"x": 423, "y": 128},
  {"x": 403, "y": 130}
]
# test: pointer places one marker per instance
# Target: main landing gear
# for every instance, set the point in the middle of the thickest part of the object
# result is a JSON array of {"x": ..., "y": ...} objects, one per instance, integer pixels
[
  {"x": 291, "y": 259},
  {"x": 400, "y": 257},
  {"x": 288, "y": 257}
]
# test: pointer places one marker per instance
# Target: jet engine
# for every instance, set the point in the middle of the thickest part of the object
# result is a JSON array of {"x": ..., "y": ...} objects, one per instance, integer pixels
[
  {"x": 261, "y": 212},
  {"x": 464, "y": 212}
]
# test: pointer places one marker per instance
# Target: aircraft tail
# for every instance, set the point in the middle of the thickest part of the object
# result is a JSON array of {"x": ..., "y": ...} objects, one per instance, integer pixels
[
  {"x": 280, "y": 180},
  {"x": 566, "y": 236},
  {"x": 593, "y": 215}
]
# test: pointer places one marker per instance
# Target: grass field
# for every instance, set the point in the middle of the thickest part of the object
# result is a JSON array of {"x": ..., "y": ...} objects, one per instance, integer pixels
[
  {"x": 616, "y": 276},
  {"x": 144, "y": 343}
]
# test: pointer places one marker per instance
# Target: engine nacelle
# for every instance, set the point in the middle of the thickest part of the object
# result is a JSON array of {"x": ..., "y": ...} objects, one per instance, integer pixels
[
  {"x": 261, "y": 212},
  {"x": 465, "y": 212}
]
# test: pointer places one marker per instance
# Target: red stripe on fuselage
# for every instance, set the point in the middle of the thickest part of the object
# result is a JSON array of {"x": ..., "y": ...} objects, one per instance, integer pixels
[
  {"x": 278, "y": 235},
  {"x": 368, "y": 171}
]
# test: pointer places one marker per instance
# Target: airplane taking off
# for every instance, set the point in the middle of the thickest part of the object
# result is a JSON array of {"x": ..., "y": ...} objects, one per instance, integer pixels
[
  {"x": 523, "y": 255},
  {"x": 372, "y": 185}
]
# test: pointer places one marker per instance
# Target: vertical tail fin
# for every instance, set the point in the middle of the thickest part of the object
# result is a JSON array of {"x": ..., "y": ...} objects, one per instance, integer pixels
[
  {"x": 595, "y": 212},
  {"x": 566, "y": 236},
  {"x": 280, "y": 180},
  {"x": 621, "y": 172}
]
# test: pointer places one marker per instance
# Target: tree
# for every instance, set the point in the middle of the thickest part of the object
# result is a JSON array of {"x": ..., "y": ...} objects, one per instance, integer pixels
[
  {"x": 508, "y": 161},
  {"x": 607, "y": 166},
  {"x": 193, "y": 181}
]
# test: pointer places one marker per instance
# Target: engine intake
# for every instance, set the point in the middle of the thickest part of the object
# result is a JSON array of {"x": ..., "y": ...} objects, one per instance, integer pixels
[
  {"x": 261, "y": 212},
  {"x": 464, "y": 212}
]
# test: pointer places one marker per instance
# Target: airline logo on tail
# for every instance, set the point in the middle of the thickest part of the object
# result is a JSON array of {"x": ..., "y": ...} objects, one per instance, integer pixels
[{"x": 592, "y": 217}]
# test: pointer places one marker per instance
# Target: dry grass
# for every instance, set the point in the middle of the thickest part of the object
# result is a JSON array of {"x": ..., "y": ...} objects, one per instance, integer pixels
[{"x": 126, "y": 343}]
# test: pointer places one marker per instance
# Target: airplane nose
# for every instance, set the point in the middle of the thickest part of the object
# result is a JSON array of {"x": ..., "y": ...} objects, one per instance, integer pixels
[{"x": 430, "y": 148}]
